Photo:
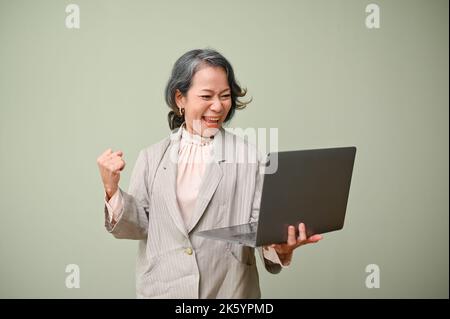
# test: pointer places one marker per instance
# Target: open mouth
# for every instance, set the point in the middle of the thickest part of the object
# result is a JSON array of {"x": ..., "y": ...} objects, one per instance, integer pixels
[{"x": 211, "y": 121}]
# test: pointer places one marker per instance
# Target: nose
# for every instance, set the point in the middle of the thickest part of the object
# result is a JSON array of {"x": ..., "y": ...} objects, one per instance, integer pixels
[{"x": 217, "y": 106}]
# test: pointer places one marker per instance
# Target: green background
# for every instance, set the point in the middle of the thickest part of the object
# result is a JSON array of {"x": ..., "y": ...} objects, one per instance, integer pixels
[{"x": 314, "y": 71}]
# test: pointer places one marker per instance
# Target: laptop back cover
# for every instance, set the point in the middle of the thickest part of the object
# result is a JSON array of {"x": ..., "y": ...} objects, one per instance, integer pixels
[{"x": 309, "y": 186}]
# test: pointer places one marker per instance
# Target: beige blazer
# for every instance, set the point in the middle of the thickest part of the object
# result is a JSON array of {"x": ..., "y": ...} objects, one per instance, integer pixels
[{"x": 171, "y": 261}]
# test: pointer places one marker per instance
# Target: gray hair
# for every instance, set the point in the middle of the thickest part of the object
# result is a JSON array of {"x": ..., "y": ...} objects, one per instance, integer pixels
[{"x": 184, "y": 70}]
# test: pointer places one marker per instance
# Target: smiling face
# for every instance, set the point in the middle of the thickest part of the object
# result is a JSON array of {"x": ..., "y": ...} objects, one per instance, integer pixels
[{"x": 207, "y": 101}]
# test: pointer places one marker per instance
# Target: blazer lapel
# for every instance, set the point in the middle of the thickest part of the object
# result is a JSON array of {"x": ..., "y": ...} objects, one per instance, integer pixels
[
  {"x": 170, "y": 167},
  {"x": 213, "y": 175},
  {"x": 211, "y": 179}
]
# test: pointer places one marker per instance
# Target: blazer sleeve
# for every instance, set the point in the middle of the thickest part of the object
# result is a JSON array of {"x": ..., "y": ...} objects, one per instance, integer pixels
[
  {"x": 133, "y": 220},
  {"x": 270, "y": 266}
]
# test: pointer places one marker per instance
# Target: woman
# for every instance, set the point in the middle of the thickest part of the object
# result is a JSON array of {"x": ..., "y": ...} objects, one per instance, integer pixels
[{"x": 198, "y": 178}]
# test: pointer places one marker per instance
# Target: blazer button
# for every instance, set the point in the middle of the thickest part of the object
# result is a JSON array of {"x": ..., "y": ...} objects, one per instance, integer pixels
[{"x": 188, "y": 251}]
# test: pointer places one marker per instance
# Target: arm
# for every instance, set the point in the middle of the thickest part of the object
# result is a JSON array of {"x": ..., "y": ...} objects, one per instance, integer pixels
[
  {"x": 131, "y": 211},
  {"x": 114, "y": 207}
]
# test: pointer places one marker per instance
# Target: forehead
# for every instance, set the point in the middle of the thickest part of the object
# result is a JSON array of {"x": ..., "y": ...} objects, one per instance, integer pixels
[{"x": 210, "y": 77}]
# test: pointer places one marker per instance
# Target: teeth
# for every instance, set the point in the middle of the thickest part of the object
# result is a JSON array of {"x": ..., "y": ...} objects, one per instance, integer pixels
[{"x": 211, "y": 118}]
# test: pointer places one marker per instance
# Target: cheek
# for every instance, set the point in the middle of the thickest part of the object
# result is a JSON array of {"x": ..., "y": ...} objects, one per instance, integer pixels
[
  {"x": 228, "y": 107},
  {"x": 196, "y": 111}
]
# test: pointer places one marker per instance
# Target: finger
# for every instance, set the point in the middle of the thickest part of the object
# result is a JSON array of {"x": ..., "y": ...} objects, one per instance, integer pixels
[
  {"x": 114, "y": 165},
  {"x": 108, "y": 151},
  {"x": 122, "y": 165},
  {"x": 117, "y": 165},
  {"x": 118, "y": 153},
  {"x": 114, "y": 155},
  {"x": 109, "y": 163},
  {"x": 291, "y": 236},
  {"x": 104, "y": 155},
  {"x": 315, "y": 238},
  {"x": 302, "y": 232}
]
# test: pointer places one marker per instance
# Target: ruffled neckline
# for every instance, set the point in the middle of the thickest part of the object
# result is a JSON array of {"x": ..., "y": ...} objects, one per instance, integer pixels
[{"x": 195, "y": 139}]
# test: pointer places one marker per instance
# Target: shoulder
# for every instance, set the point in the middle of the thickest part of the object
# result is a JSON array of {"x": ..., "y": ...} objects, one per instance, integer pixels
[
  {"x": 243, "y": 144},
  {"x": 152, "y": 154},
  {"x": 156, "y": 148}
]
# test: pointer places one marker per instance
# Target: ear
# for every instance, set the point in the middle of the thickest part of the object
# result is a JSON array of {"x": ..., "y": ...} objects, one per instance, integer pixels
[{"x": 179, "y": 99}]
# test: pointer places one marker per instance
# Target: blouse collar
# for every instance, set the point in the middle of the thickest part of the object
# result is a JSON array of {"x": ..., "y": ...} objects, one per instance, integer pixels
[
  {"x": 221, "y": 141},
  {"x": 187, "y": 137}
]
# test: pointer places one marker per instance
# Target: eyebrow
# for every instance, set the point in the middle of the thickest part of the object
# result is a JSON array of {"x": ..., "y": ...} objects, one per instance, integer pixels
[{"x": 213, "y": 91}]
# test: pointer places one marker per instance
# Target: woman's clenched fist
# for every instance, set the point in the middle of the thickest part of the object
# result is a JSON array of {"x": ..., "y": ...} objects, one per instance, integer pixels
[{"x": 110, "y": 164}]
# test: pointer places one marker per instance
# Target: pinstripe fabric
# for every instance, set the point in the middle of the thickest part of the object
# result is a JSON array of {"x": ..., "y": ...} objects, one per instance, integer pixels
[{"x": 171, "y": 262}]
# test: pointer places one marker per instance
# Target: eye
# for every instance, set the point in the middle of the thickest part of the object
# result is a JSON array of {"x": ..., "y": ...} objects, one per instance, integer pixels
[{"x": 205, "y": 97}]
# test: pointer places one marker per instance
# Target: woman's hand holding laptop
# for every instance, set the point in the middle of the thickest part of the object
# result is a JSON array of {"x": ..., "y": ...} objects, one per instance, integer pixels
[{"x": 285, "y": 251}]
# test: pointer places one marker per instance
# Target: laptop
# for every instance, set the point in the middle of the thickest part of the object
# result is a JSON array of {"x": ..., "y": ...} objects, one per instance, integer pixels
[{"x": 309, "y": 186}]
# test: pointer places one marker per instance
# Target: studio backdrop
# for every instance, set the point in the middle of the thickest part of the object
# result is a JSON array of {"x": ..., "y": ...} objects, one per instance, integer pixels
[{"x": 78, "y": 77}]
